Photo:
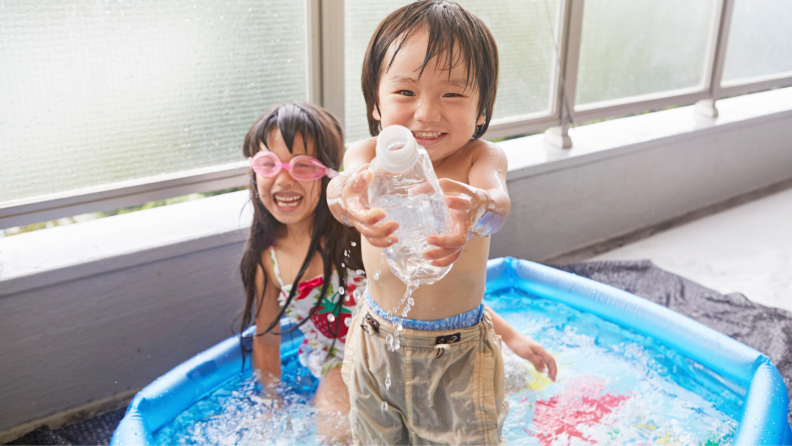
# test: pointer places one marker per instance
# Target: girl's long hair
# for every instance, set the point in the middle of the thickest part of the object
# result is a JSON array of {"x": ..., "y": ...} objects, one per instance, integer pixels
[{"x": 331, "y": 239}]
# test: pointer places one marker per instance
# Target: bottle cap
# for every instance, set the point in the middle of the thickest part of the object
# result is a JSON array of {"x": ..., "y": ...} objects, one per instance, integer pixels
[{"x": 397, "y": 150}]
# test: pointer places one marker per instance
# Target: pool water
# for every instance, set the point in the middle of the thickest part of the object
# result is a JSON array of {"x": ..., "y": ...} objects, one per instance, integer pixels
[{"x": 614, "y": 386}]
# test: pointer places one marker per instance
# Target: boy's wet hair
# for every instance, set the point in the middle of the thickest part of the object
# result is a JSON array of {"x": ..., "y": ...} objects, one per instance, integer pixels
[{"x": 449, "y": 26}]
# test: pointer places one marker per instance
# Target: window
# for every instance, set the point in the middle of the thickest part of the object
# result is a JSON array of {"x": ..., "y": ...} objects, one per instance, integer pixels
[
  {"x": 98, "y": 92},
  {"x": 109, "y": 103},
  {"x": 760, "y": 40},
  {"x": 639, "y": 47}
]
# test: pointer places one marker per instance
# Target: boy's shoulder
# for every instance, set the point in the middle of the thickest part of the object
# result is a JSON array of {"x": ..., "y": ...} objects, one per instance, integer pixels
[
  {"x": 367, "y": 144},
  {"x": 476, "y": 155},
  {"x": 479, "y": 150},
  {"x": 359, "y": 153}
]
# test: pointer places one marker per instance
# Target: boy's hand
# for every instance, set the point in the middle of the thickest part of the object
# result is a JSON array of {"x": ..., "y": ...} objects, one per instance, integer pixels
[
  {"x": 533, "y": 351},
  {"x": 369, "y": 222},
  {"x": 466, "y": 206}
]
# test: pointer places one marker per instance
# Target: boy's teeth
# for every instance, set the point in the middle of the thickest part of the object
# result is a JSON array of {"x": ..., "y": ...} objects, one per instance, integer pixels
[{"x": 427, "y": 135}]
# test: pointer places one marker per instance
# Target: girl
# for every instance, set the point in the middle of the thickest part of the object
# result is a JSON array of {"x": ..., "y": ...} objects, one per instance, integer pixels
[{"x": 300, "y": 262}]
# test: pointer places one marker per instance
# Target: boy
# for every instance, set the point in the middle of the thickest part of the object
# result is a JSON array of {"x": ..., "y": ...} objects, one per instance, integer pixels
[{"x": 431, "y": 67}]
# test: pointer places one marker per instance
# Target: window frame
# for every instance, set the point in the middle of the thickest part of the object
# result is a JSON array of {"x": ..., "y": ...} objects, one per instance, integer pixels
[{"x": 325, "y": 87}]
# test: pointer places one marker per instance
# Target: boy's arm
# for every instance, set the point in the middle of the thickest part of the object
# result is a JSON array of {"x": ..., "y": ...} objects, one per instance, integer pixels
[
  {"x": 480, "y": 207},
  {"x": 347, "y": 197},
  {"x": 523, "y": 346}
]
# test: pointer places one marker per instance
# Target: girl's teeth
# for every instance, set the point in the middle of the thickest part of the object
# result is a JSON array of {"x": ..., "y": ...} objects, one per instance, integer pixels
[{"x": 288, "y": 202}]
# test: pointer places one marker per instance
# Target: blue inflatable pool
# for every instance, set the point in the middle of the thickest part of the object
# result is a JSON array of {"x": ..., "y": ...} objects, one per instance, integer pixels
[{"x": 764, "y": 413}]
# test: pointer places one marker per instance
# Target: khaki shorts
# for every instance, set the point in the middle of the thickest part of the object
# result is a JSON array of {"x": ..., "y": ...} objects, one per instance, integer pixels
[{"x": 447, "y": 387}]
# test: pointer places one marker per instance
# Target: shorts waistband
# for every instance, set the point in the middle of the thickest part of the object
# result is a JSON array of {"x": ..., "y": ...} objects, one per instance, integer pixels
[
  {"x": 380, "y": 326},
  {"x": 464, "y": 320}
]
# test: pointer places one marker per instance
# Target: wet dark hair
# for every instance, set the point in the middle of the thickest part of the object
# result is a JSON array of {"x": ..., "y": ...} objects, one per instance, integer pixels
[
  {"x": 330, "y": 238},
  {"x": 448, "y": 25}
]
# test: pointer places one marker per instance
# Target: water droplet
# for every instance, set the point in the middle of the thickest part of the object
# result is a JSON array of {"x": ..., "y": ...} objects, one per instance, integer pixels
[
  {"x": 410, "y": 302},
  {"x": 387, "y": 381},
  {"x": 348, "y": 321},
  {"x": 330, "y": 317},
  {"x": 348, "y": 298},
  {"x": 406, "y": 310},
  {"x": 389, "y": 342},
  {"x": 346, "y": 253},
  {"x": 396, "y": 344},
  {"x": 376, "y": 274},
  {"x": 384, "y": 406},
  {"x": 354, "y": 244},
  {"x": 399, "y": 328},
  {"x": 343, "y": 265},
  {"x": 341, "y": 290},
  {"x": 360, "y": 272}
]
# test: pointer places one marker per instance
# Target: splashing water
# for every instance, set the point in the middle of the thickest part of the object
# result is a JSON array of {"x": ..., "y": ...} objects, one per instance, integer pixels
[
  {"x": 384, "y": 406},
  {"x": 614, "y": 386}
]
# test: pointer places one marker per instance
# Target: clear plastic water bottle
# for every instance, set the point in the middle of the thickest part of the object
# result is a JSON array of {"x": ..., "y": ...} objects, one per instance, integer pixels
[{"x": 406, "y": 188}]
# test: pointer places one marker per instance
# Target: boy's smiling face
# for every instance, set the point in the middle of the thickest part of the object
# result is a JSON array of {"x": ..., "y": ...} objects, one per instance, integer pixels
[{"x": 439, "y": 109}]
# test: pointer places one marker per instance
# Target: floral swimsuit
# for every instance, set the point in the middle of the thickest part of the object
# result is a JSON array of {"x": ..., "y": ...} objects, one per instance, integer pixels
[{"x": 317, "y": 352}]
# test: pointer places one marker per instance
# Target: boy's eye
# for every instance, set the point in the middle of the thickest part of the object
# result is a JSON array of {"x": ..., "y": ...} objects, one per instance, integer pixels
[
  {"x": 406, "y": 93},
  {"x": 452, "y": 95}
]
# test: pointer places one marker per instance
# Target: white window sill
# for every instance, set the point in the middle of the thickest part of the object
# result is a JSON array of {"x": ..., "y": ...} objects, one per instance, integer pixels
[
  {"x": 59, "y": 254},
  {"x": 42, "y": 258},
  {"x": 532, "y": 156}
]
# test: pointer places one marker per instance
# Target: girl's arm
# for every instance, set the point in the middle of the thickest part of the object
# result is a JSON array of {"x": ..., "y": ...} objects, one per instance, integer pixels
[
  {"x": 266, "y": 348},
  {"x": 524, "y": 346}
]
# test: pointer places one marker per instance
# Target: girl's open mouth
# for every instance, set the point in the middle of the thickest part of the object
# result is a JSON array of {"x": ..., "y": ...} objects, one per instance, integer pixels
[{"x": 286, "y": 203}]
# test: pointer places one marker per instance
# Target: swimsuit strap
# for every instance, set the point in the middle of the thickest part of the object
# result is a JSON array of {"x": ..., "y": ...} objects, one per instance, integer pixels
[{"x": 271, "y": 250}]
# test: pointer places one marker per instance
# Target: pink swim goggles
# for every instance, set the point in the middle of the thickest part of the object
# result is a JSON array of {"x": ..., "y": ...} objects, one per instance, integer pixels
[{"x": 301, "y": 168}]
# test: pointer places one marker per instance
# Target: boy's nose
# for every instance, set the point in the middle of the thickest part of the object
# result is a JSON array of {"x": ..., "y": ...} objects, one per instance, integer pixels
[{"x": 427, "y": 111}]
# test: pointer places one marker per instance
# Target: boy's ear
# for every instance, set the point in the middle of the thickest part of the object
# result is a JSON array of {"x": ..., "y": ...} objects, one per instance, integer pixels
[
  {"x": 480, "y": 119},
  {"x": 375, "y": 113}
]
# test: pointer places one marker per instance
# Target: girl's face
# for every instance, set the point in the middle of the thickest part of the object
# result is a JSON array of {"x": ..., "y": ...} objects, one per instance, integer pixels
[{"x": 290, "y": 201}]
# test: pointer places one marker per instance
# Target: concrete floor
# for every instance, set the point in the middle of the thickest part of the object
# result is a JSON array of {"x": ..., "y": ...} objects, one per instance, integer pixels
[{"x": 746, "y": 249}]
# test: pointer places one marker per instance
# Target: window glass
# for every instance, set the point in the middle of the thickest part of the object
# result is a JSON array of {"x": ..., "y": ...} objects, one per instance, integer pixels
[
  {"x": 95, "y": 92},
  {"x": 760, "y": 40},
  {"x": 524, "y": 31},
  {"x": 637, "y": 47}
]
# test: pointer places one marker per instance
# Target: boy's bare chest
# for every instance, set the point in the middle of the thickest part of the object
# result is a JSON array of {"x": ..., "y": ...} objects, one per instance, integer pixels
[{"x": 455, "y": 167}]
